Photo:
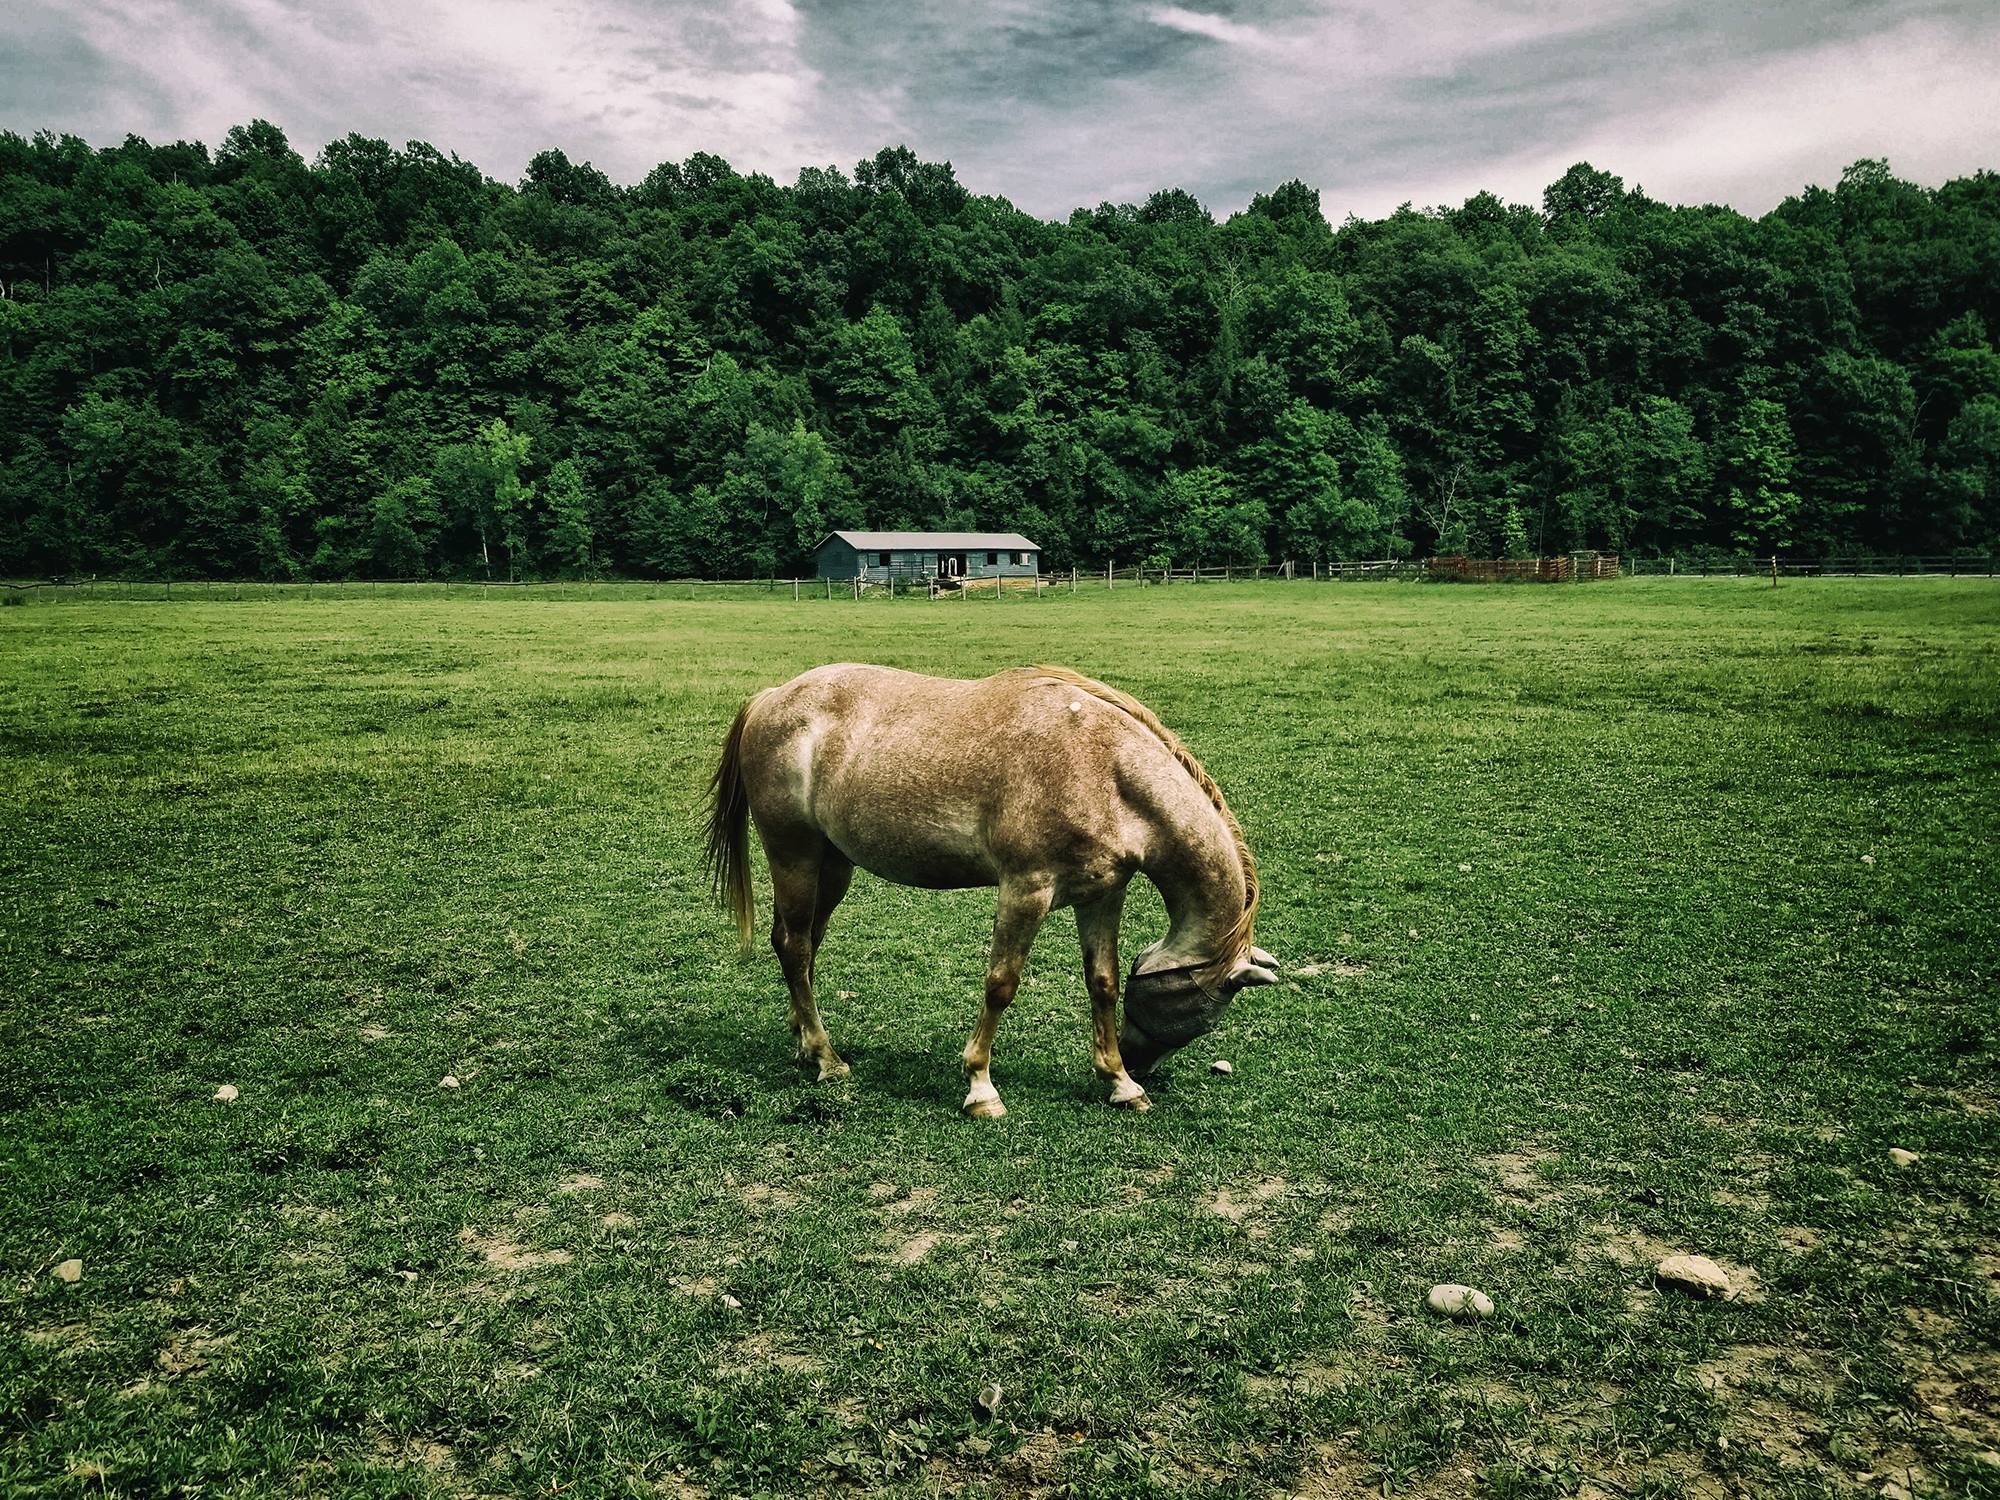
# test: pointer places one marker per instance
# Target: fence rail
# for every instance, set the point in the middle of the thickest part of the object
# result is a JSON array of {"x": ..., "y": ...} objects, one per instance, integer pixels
[
  {"x": 1712, "y": 566},
  {"x": 1574, "y": 567}
]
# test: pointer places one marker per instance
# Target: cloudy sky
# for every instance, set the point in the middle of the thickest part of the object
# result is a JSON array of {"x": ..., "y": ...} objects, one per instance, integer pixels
[{"x": 1057, "y": 103}]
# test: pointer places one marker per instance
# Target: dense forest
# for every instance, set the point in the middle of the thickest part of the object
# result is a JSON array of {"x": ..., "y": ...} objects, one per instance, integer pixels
[{"x": 382, "y": 363}]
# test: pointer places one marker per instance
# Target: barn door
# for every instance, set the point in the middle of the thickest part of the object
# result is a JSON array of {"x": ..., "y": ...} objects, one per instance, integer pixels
[{"x": 951, "y": 565}]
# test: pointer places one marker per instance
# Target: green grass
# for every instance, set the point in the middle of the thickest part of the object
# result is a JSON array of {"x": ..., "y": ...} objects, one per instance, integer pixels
[{"x": 1646, "y": 917}]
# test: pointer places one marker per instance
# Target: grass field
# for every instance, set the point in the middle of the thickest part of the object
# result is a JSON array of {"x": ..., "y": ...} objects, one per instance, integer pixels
[{"x": 1617, "y": 921}]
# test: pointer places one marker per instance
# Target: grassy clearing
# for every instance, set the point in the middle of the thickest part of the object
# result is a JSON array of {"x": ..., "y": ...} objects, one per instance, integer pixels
[{"x": 1618, "y": 920}]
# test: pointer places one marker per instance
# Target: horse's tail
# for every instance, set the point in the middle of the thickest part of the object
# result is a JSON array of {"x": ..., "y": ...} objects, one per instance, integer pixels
[{"x": 729, "y": 834}]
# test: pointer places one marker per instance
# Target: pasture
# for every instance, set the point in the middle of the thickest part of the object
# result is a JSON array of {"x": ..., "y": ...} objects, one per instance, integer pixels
[{"x": 1616, "y": 921}]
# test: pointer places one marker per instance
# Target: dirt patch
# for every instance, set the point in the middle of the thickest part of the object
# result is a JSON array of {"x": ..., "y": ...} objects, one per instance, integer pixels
[
  {"x": 504, "y": 1254},
  {"x": 580, "y": 1182},
  {"x": 1628, "y": 1247},
  {"x": 189, "y": 1351},
  {"x": 1039, "y": 1459},
  {"x": 916, "y": 1247},
  {"x": 1749, "y": 1199},
  {"x": 1641, "y": 1252},
  {"x": 74, "y": 1337},
  {"x": 616, "y": 1220},
  {"x": 1520, "y": 1175},
  {"x": 763, "y": 1195},
  {"x": 917, "y": 1198},
  {"x": 761, "y": 1352},
  {"x": 1768, "y": 1397},
  {"x": 1334, "y": 1372},
  {"x": 1238, "y": 1203},
  {"x": 1336, "y": 1472}
]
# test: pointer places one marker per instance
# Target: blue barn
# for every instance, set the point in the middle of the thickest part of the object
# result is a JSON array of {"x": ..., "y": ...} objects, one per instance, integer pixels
[{"x": 901, "y": 556}]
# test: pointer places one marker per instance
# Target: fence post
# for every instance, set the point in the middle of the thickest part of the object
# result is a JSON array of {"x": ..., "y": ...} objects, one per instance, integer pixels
[
  {"x": 795, "y": 591},
  {"x": 1072, "y": 578},
  {"x": 1107, "y": 571}
]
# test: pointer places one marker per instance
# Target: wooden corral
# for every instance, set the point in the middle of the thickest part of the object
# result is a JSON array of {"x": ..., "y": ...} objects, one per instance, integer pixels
[{"x": 1577, "y": 567}]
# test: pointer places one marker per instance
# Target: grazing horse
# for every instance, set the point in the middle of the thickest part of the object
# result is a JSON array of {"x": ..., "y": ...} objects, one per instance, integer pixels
[{"x": 1052, "y": 787}]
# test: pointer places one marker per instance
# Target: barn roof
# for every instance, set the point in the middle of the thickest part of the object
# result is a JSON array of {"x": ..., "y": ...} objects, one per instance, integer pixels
[{"x": 949, "y": 541}]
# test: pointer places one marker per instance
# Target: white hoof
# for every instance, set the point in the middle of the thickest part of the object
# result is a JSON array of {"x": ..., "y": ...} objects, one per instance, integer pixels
[
  {"x": 828, "y": 1071},
  {"x": 1125, "y": 1094},
  {"x": 982, "y": 1102}
]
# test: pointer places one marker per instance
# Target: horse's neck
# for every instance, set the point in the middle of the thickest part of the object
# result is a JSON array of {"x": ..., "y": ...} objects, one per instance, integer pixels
[{"x": 1200, "y": 878}]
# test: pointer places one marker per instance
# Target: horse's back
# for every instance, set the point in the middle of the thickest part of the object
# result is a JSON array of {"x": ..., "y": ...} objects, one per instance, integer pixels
[{"x": 939, "y": 781}]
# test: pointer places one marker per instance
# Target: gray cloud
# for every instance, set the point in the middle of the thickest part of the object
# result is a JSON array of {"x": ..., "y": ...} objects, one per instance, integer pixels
[{"x": 1060, "y": 103}]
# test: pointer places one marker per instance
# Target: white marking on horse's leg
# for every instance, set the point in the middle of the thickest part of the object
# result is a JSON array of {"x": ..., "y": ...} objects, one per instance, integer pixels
[
  {"x": 1126, "y": 1093},
  {"x": 982, "y": 1100}
]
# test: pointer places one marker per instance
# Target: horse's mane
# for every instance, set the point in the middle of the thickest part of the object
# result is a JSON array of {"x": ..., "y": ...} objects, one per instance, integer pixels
[{"x": 1239, "y": 935}]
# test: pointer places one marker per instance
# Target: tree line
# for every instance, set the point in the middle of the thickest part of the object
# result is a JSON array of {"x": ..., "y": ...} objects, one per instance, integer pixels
[{"x": 383, "y": 363}]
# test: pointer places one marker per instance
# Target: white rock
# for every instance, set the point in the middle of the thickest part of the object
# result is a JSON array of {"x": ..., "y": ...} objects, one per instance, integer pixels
[
  {"x": 1696, "y": 1275},
  {"x": 69, "y": 1270},
  {"x": 729, "y": 1301},
  {"x": 1221, "y": 1065},
  {"x": 449, "y": 1081},
  {"x": 1450, "y": 1300},
  {"x": 226, "y": 1094},
  {"x": 1903, "y": 1158}
]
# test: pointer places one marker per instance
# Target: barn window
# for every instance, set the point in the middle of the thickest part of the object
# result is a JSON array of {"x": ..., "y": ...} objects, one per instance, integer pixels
[
  {"x": 992, "y": 558},
  {"x": 885, "y": 559}
]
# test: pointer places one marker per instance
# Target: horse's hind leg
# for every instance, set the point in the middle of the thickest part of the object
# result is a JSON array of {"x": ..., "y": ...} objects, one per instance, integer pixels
[
  {"x": 1015, "y": 923},
  {"x": 795, "y": 899},
  {"x": 836, "y": 872}
]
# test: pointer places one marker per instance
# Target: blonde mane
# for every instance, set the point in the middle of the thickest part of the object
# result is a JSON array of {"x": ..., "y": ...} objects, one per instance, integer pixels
[{"x": 1240, "y": 935}]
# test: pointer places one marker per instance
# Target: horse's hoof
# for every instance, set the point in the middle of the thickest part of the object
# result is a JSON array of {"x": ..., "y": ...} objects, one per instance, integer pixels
[
  {"x": 1138, "y": 1103},
  {"x": 828, "y": 1071},
  {"x": 984, "y": 1104}
]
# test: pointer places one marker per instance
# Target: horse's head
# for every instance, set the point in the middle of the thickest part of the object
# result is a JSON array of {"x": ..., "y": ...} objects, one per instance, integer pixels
[{"x": 1168, "y": 1008}]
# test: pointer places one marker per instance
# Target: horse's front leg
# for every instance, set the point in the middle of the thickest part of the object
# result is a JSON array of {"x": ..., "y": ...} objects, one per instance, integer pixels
[
  {"x": 1097, "y": 930},
  {"x": 1015, "y": 923}
]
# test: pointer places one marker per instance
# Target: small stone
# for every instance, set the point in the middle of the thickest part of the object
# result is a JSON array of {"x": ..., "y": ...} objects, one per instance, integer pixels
[
  {"x": 1464, "y": 869},
  {"x": 1903, "y": 1158},
  {"x": 407, "y": 1275},
  {"x": 729, "y": 1301},
  {"x": 1450, "y": 1300},
  {"x": 449, "y": 1081},
  {"x": 988, "y": 1403},
  {"x": 1223, "y": 1066},
  {"x": 70, "y": 1271},
  {"x": 1696, "y": 1275},
  {"x": 226, "y": 1094}
]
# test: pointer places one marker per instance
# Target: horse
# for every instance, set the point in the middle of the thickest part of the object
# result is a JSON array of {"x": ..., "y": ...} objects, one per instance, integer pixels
[{"x": 1044, "y": 783}]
